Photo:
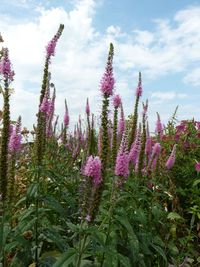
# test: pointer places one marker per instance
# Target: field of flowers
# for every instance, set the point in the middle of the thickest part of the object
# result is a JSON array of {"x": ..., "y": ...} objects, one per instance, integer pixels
[{"x": 107, "y": 195}]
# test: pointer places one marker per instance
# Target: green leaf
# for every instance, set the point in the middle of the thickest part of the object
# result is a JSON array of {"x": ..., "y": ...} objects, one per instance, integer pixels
[
  {"x": 124, "y": 261},
  {"x": 160, "y": 251},
  {"x": 174, "y": 216},
  {"x": 133, "y": 240},
  {"x": 66, "y": 258},
  {"x": 32, "y": 191},
  {"x": 196, "y": 183},
  {"x": 55, "y": 205}
]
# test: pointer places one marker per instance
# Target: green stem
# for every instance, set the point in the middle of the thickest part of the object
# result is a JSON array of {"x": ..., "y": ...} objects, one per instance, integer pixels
[
  {"x": 37, "y": 217},
  {"x": 81, "y": 248},
  {"x": 104, "y": 124}
]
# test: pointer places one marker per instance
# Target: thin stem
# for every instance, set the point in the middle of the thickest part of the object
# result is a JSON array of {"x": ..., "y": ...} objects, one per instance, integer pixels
[{"x": 37, "y": 217}]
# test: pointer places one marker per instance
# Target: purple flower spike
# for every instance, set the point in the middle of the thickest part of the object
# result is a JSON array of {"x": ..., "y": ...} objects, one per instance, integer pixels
[
  {"x": 139, "y": 87},
  {"x": 107, "y": 81},
  {"x": 15, "y": 141},
  {"x": 197, "y": 166},
  {"x": 159, "y": 126},
  {"x": 93, "y": 169},
  {"x": 50, "y": 48},
  {"x": 122, "y": 161},
  {"x": 156, "y": 149},
  {"x": 116, "y": 101},
  {"x": 5, "y": 66},
  {"x": 171, "y": 160},
  {"x": 66, "y": 116},
  {"x": 44, "y": 107},
  {"x": 135, "y": 149},
  {"x": 87, "y": 108}
]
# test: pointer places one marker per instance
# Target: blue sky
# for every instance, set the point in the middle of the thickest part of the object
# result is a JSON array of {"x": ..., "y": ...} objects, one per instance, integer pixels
[{"x": 159, "y": 38}]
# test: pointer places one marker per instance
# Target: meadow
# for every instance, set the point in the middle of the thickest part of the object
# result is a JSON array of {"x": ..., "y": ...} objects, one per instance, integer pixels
[{"x": 108, "y": 194}]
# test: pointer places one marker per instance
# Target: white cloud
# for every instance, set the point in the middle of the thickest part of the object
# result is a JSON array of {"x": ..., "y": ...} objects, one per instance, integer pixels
[
  {"x": 170, "y": 95},
  {"x": 81, "y": 53},
  {"x": 193, "y": 77}
]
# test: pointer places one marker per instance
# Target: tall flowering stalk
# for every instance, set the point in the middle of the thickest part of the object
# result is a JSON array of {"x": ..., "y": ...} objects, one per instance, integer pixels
[
  {"x": 87, "y": 111},
  {"x": 142, "y": 150},
  {"x": 41, "y": 124},
  {"x": 122, "y": 161},
  {"x": 14, "y": 147},
  {"x": 65, "y": 123},
  {"x": 134, "y": 119},
  {"x": 135, "y": 148},
  {"x": 41, "y": 127},
  {"x": 116, "y": 104},
  {"x": 92, "y": 171},
  {"x": 159, "y": 127},
  {"x": 156, "y": 150},
  {"x": 107, "y": 85},
  {"x": 7, "y": 76},
  {"x": 92, "y": 137},
  {"x": 148, "y": 146},
  {"x": 171, "y": 160},
  {"x": 121, "y": 125},
  {"x": 49, "y": 126}
]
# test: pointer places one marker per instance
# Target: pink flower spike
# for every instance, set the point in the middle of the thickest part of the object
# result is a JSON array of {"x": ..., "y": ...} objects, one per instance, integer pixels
[
  {"x": 87, "y": 108},
  {"x": 171, "y": 160},
  {"x": 122, "y": 161},
  {"x": 139, "y": 87},
  {"x": 66, "y": 116},
  {"x": 50, "y": 48},
  {"x": 44, "y": 107},
  {"x": 135, "y": 148},
  {"x": 159, "y": 126},
  {"x": 107, "y": 81},
  {"x": 93, "y": 169},
  {"x": 156, "y": 149},
  {"x": 5, "y": 66},
  {"x": 15, "y": 141},
  {"x": 88, "y": 218},
  {"x": 197, "y": 166},
  {"x": 116, "y": 101},
  {"x": 121, "y": 124}
]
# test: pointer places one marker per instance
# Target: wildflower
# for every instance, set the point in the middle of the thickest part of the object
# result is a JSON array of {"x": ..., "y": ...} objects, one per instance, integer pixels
[
  {"x": 135, "y": 149},
  {"x": 66, "y": 116},
  {"x": 134, "y": 118},
  {"x": 107, "y": 81},
  {"x": 87, "y": 108},
  {"x": 88, "y": 218},
  {"x": 93, "y": 169},
  {"x": 159, "y": 126},
  {"x": 170, "y": 162},
  {"x": 122, "y": 161},
  {"x": 116, "y": 101},
  {"x": 15, "y": 141},
  {"x": 197, "y": 166},
  {"x": 148, "y": 146},
  {"x": 121, "y": 123},
  {"x": 44, "y": 107},
  {"x": 5, "y": 66},
  {"x": 50, "y": 48},
  {"x": 156, "y": 149}
]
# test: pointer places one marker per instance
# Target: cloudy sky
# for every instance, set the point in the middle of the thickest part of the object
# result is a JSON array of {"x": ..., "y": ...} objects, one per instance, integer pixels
[{"x": 159, "y": 38}]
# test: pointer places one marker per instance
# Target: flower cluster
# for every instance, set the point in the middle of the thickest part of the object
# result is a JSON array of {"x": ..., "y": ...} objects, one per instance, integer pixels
[
  {"x": 50, "y": 48},
  {"x": 93, "y": 169},
  {"x": 107, "y": 81},
  {"x": 5, "y": 66},
  {"x": 117, "y": 101}
]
